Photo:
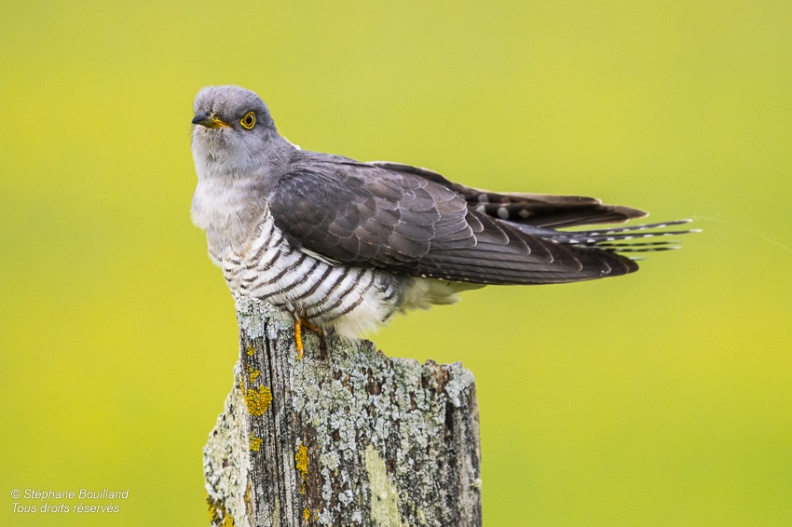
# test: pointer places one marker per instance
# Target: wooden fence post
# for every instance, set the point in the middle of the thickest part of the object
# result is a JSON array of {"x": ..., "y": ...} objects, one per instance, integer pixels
[{"x": 344, "y": 436}]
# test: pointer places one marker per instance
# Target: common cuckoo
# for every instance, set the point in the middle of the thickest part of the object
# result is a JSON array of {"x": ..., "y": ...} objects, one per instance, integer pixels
[{"x": 344, "y": 244}]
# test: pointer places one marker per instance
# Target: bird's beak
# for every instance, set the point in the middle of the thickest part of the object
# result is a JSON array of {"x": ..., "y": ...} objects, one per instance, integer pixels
[{"x": 209, "y": 120}]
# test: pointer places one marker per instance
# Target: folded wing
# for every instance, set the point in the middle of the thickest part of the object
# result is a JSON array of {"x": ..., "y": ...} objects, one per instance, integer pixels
[{"x": 413, "y": 221}]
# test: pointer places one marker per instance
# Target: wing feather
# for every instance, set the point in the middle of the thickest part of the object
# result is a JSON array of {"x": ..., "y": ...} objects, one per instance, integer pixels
[{"x": 539, "y": 210}]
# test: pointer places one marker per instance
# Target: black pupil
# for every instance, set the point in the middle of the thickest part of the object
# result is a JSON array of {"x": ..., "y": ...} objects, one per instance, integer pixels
[{"x": 248, "y": 119}]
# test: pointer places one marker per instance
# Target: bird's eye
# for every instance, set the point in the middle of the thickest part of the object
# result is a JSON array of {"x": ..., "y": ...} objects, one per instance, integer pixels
[{"x": 248, "y": 121}]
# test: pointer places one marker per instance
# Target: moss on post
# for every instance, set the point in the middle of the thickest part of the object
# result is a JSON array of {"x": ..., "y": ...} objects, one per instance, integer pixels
[{"x": 344, "y": 436}]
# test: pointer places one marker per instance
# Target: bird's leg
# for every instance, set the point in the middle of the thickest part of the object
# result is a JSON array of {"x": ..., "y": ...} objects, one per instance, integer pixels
[{"x": 298, "y": 325}]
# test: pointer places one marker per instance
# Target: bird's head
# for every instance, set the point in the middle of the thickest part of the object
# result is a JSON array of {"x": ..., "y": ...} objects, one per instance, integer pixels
[{"x": 232, "y": 125}]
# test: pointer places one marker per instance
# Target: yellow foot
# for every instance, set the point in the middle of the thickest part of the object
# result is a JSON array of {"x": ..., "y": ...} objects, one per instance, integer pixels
[{"x": 298, "y": 324}]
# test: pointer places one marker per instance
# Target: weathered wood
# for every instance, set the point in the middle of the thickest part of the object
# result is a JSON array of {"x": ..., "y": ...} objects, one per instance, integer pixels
[{"x": 344, "y": 436}]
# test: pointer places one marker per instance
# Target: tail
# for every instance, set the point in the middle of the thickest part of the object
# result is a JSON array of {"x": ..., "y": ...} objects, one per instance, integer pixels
[{"x": 621, "y": 239}]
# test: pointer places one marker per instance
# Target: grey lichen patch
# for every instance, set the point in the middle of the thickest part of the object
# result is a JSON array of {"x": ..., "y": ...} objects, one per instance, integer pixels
[
  {"x": 226, "y": 461},
  {"x": 459, "y": 380},
  {"x": 384, "y": 494},
  {"x": 253, "y": 314},
  {"x": 357, "y": 403}
]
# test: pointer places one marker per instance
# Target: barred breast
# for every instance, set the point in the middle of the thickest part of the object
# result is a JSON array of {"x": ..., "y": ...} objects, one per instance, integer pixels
[{"x": 352, "y": 300}]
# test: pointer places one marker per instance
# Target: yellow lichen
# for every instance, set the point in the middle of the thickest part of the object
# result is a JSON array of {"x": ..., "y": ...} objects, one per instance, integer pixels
[
  {"x": 301, "y": 462},
  {"x": 250, "y": 351},
  {"x": 306, "y": 514},
  {"x": 212, "y": 508},
  {"x": 252, "y": 374},
  {"x": 255, "y": 443},
  {"x": 258, "y": 401},
  {"x": 216, "y": 510}
]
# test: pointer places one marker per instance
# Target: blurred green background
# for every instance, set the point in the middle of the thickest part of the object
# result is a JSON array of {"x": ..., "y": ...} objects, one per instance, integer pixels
[{"x": 661, "y": 398}]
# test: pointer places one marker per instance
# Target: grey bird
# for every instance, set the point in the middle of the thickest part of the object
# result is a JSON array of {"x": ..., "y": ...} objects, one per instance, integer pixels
[{"x": 345, "y": 244}]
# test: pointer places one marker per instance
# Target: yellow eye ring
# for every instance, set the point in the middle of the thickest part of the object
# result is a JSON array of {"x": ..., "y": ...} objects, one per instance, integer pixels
[{"x": 248, "y": 121}]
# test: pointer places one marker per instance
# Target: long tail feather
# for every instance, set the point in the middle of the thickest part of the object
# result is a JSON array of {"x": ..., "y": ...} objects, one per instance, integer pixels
[{"x": 627, "y": 239}]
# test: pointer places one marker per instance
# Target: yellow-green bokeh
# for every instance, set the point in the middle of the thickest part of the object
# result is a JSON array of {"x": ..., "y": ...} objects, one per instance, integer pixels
[{"x": 662, "y": 398}]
